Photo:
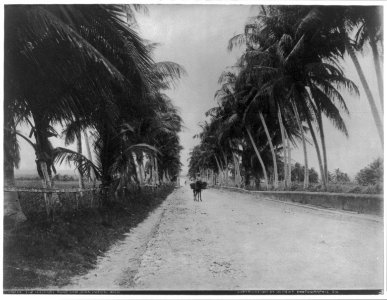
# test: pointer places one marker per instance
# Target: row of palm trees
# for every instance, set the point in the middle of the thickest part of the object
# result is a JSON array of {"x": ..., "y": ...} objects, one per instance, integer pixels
[
  {"x": 287, "y": 81},
  {"x": 84, "y": 68}
]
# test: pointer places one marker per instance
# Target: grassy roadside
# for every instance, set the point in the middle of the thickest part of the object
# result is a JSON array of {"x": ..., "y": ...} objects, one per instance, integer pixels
[
  {"x": 351, "y": 188},
  {"x": 40, "y": 254}
]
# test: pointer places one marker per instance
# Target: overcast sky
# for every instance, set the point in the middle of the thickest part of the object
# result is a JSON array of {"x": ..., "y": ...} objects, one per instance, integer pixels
[{"x": 196, "y": 37}]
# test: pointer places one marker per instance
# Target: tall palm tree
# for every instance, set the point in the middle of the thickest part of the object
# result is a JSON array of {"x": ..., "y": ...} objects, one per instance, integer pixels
[
  {"x": 342, "y": 22},
  {"x": 283, "y": 38},
  {"x": 34, "y": 36},
  {"x": 371, "y": 19},
  {"x": 233, "y": 114}
]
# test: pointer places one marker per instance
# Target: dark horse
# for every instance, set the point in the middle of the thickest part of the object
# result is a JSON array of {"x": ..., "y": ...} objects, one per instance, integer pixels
[{"x": 197, "y": 188}]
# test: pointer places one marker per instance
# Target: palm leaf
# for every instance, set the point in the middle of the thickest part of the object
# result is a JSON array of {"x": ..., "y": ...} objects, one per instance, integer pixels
[
  {"x": 80, "y": 161},
  {"x": 168, "y": 72},
  {"x": 236, "y": 41}
]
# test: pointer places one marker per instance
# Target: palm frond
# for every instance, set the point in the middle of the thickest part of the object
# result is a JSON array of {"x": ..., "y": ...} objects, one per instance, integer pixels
[
  {"x": 331, "y": 111},
  {"x": 168, "y": 72},
  {"x": 80, "y": 161},
  {"x": 236, "y": 41}
]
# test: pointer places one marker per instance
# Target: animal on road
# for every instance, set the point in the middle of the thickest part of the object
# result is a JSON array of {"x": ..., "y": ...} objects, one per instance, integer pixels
[{"x": 197, "y": 188}]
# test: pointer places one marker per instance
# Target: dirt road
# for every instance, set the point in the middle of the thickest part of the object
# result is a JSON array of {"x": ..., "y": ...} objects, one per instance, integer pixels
[{"x": 237, "y": 241}]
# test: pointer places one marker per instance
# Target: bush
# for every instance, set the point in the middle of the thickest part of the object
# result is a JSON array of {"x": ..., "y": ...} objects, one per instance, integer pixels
[
  {"x": 374, "y": 189},
  {"x": 296, "y": 187},
  {"x": 372, "y": 174},
  {"x": 338, "y": 177},
  {"x": 298, "y": 174},
  {"x": 355, "y": 190}
]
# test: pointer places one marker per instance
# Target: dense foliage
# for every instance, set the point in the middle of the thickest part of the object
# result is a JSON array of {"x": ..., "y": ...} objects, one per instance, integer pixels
[
  {"x": 338, "y": 177},
  {"x": 84, "y": 68},
  {"x": 298, "y": 173},
  {"x": 372, "y": 174}
]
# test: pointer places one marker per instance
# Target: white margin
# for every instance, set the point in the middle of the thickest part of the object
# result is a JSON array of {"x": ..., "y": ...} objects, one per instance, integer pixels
[{"x": 185, "y": 2}]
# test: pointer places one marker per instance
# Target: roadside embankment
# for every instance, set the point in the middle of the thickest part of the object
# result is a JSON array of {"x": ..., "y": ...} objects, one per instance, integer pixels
[{"x": 360, "y": 203}]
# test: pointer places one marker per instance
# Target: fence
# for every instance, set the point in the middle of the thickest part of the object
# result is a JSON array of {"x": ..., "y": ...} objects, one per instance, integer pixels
[{"x": 33, "y": 201}]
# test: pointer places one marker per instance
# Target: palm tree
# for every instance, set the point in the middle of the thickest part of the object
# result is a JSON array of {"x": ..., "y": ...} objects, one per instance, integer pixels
[
  {"x": 368, "y": 21},
  {"x": 374, "y": 110},
  {"x": 33, "y": 36},
  {"x": 104, "y": 76},
  {"x": 371, "y": 29},
  {"x": 234, "y": 113},
  {"x": 283, "y": 39},
  {"x": 341, "y": 22}
]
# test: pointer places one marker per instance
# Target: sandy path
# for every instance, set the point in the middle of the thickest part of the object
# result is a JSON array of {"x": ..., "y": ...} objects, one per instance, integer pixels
[{"x": 235, "y": 241}]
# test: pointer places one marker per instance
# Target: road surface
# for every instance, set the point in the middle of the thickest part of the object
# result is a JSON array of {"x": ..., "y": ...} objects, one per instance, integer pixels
[{"x": 234, "y": 241}]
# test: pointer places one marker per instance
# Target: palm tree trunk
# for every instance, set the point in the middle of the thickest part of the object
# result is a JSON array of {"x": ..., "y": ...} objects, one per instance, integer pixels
[
  {"x": 142, "y": 168},
  {"x": 323, "y": 146},
  {"x": 9, "y": 173},
  {"x": 79, "y": 150},
  {"x": 89, "y": 156},
  {"x": 284, "y": 146},
  {"x": 47, "y": 184},
  {"x": 289, "y": 169},
  {"x": 306, "y": 169},
  {"x": 272, "y": 150},
  {"x": 153, "y": 171},
  {"x": 259, "y": 157},
  {"x": 13, "y": 213},
  {"x": 378, "y": 71},
  {"x": 235, "y": 169},
  {"x": 225, "y": 170},
  {"x": 318, "y": 153},
  {"x": 157, "y": 171},
  {"x": 317, "y": 112},
  {"x": 238, "y": 177},
  {"x": 10, "y": 147},
  {"x": 137, "y": 168},
  {"x": 371, "y": 101},
  {"x": 138, "y": 163},
  {"x": 218, "y": 164},
  {"x": 164, "y": 178},
  {"x": 167, "y": 176}
]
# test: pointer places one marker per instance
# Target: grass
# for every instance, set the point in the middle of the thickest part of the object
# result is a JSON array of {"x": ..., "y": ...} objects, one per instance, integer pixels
[
  {"x": 351, "y": 188},
  {"x": 39, "y": 254}
]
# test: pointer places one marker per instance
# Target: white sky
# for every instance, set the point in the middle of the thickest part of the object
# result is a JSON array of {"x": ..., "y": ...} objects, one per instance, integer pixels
[{"x": 196, "y": 37}]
